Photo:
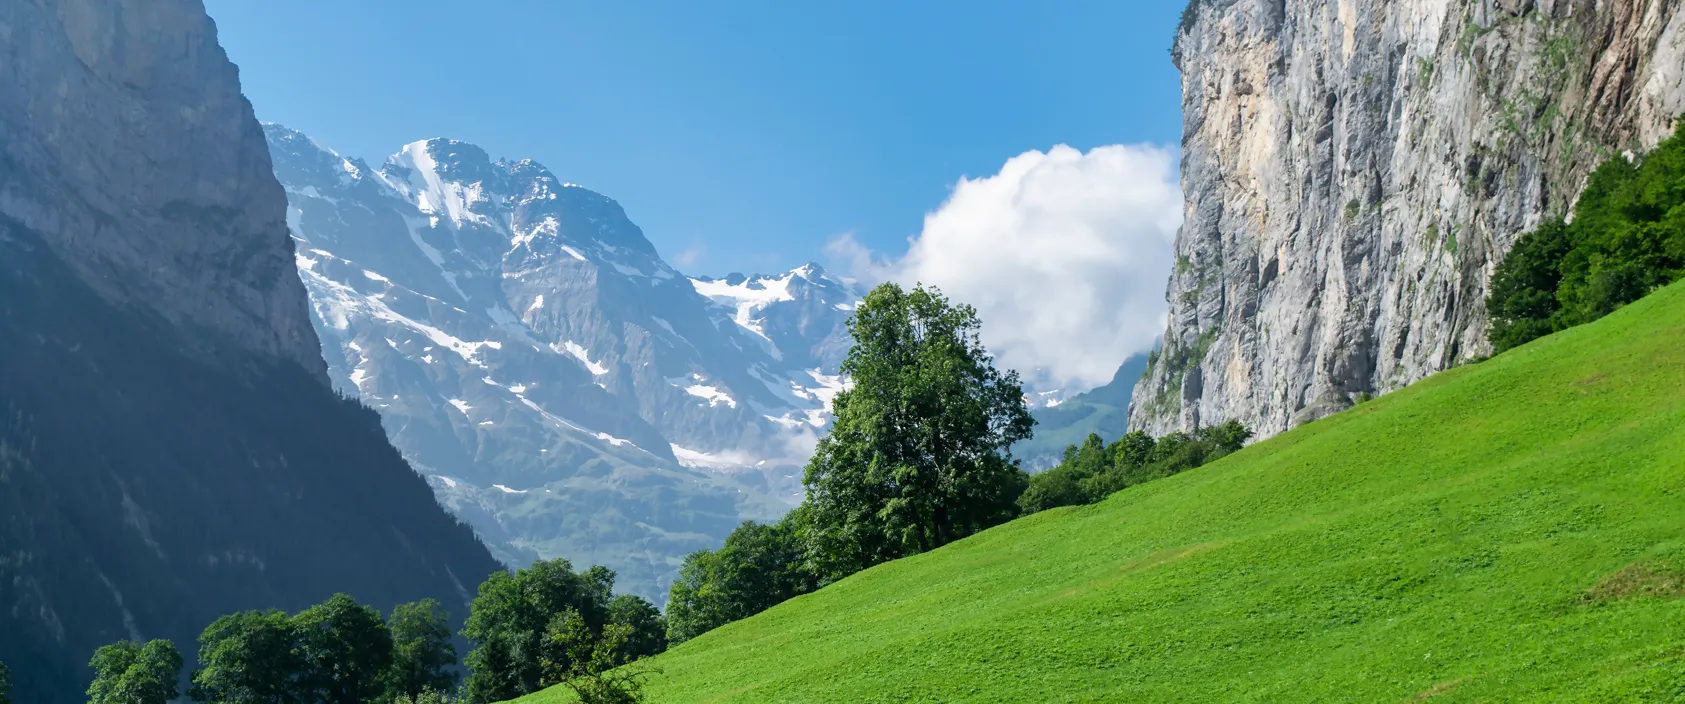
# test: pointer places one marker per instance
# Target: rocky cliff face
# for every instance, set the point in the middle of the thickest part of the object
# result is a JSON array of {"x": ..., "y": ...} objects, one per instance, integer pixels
[
  {"x": 1354, "y": 170},
  {"x": 195, "y": 232},
  {"x": 170, "y": 450}
]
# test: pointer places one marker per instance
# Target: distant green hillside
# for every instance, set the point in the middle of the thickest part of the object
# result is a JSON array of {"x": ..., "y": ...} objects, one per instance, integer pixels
[
  {"x": 1513, "y": 530},
  {"x": 1104, "y": 410}
]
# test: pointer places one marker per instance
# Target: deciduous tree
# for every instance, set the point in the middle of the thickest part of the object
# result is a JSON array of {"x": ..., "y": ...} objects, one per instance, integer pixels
[
  {"x": 758, "y": 567},
  {"x": 510, "y": 616},
  {"x": 346, "y": 651},
  {"x": 647, "y": 631},
  {"x": 586, "y": 661},
  {"x": 248, "y": 658},
  {"x": 127, "y": 672},
  {"x": 919, "y": 454},
  {"x": 422, "y": 653}
]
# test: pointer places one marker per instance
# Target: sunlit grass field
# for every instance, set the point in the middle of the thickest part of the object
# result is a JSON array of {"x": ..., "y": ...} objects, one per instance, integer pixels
[{"x": 1507, "y": 531}]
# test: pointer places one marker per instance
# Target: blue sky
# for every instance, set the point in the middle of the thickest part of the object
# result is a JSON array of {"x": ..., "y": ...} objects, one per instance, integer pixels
[{"x": 741, "y": 135}]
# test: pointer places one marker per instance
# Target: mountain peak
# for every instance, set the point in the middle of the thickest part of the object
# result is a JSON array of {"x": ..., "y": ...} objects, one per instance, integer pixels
[
  {"x": 810, "y": 271},
  {"x": 446, "y": 160},
  {"x": 299, "y": 158}
]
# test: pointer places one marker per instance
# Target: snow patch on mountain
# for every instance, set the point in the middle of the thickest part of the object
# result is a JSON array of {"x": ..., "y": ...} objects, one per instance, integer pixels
[
  {"x": 695, "y": 386},
  {"x": 579, "y": 353},
  {"x": 711, "y": 460},
  {"x": 747, "y": 297}
]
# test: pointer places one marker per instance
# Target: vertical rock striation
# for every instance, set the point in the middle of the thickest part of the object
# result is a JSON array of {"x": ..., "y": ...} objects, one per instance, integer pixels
[{"x": 1355, "y": 169}]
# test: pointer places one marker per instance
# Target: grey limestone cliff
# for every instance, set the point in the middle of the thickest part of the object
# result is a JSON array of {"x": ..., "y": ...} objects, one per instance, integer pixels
[
  {"x": 195, "y": 232},
  {"x": 1355, "y": 169}
]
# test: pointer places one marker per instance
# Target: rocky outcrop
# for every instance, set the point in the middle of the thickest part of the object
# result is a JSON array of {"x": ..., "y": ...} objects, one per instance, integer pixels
[
  {"x": 1354, "y": 170},
  {"x": 194, "y": 232}
]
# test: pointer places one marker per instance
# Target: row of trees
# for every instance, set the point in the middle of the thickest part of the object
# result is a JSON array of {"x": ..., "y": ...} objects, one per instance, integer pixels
[
  {"x": 539, "y": 627},
  {"x": 1627, "y": 238},
  {"x": 919, "y": 456},
  {"x": 337, "y": 652},
  {"x": 1096, "y": 470}
]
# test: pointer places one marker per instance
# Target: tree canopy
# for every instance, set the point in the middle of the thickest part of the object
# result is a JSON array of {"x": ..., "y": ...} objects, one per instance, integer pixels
[
  {"x": 127, "y": 672},
  {"x": 346, "y": 650},
  {"x": 335, "y": 652},
  {"x": 248, "y": 657},
  {"x": 526, "y": 629},
  {"x": 758, "y": 567},
  {"x": 646, "y": 630},
  {"x": 422, "y": 653},
  {"x": 919, "y": 452},
  {"x": 514, "y": 619}
]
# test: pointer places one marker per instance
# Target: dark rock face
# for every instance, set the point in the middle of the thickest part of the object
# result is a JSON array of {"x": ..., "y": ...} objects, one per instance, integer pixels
[
  {"x": 1355, "y": 169},
  {"x": 170, "y": 450}
]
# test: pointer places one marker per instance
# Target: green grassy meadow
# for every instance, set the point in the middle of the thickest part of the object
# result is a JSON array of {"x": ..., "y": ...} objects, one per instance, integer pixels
[{"x": 1507, "y": 531}]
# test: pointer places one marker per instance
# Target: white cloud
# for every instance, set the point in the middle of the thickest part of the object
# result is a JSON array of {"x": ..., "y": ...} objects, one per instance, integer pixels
[
  {"x": 1065, "y": 255},
  {"x": 689, "y": 257}
]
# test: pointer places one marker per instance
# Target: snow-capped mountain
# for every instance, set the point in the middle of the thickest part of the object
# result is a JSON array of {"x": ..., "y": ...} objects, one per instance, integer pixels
[{"x": 566, "y": 391}]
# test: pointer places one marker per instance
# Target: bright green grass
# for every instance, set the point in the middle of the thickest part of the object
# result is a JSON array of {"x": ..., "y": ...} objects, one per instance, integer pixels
[{"x": 1445, "y": 541}]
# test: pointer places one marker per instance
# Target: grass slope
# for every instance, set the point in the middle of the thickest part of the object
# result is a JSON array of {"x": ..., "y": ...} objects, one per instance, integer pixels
[{"x": 1513, "y": 530}]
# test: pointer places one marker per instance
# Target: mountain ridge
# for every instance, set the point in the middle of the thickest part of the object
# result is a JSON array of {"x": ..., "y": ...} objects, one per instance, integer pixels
[{"x": 562, "y": 385}]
